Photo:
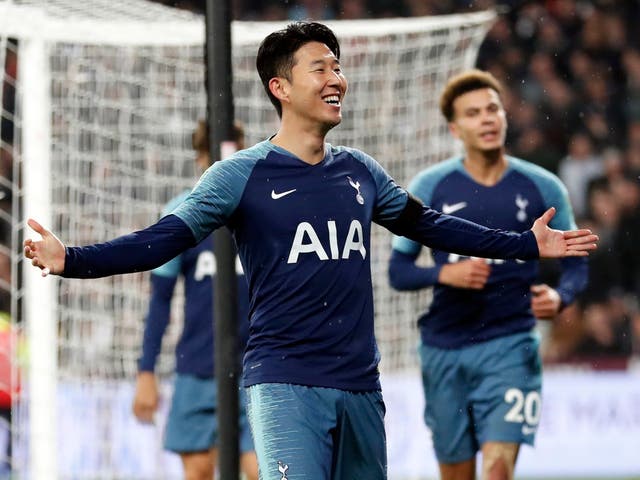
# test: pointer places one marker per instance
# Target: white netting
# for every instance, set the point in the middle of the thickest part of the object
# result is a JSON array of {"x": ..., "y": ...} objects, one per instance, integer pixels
[{"x": 124, "y": 100}]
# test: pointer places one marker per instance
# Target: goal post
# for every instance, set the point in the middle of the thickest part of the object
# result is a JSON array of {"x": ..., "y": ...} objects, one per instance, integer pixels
[{"x": 107, "y": 94}]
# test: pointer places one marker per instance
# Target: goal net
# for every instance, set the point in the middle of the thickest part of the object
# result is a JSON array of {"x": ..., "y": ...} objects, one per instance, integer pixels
[{"x": 99, "y": 99}]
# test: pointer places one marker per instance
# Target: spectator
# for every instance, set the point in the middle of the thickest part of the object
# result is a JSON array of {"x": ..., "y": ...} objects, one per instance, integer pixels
[{"x": 578, "y": 168}]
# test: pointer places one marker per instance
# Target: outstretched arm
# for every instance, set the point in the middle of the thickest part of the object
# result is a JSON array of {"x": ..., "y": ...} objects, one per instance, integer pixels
[
  {"x": 448, "y": 233},
  {"x": 137, "y": 251}
]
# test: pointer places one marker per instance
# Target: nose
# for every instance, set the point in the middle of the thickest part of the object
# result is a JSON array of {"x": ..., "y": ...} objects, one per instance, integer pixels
[
  {"x": 338, "y": 80},
  {"x": 489, "y": 116}
]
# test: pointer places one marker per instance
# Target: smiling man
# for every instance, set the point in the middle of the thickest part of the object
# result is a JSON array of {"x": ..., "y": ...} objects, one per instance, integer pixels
[
  {"x": 311, "y": 362},
  {"x": 480, "y": 363}
]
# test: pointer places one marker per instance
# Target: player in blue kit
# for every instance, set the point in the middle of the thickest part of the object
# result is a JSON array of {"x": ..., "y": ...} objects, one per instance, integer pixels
[
  {"x": 301, "y": 211},
  {"x": 191, "y": 429},
  {"x": 480, "y": 364}
]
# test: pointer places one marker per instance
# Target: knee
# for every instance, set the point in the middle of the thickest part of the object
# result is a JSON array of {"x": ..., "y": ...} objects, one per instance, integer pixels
[
  {"x": 497, "y": 468},
  {"x": 198, "y": 470}
]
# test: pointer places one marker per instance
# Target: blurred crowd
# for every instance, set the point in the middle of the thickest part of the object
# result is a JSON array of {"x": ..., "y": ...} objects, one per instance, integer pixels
[{"x": 571, "y": 71}]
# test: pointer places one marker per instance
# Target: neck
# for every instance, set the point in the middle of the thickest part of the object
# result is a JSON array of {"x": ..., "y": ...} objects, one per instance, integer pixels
[
  {"x": 486, "y": 168},
  {"x": 306, "y": 143}
]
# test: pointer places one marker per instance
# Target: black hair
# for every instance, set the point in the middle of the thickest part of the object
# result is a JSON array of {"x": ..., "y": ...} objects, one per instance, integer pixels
[{"x": 277, "y": 50}]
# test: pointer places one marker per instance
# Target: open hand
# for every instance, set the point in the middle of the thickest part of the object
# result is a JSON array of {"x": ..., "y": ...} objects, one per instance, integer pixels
[
  {"x": 557, "y": 243},
  {"x": 46, "y": 254}
]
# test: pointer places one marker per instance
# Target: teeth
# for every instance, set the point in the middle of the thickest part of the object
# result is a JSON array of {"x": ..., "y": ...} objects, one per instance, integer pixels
[{"x": 332, "y": 99}]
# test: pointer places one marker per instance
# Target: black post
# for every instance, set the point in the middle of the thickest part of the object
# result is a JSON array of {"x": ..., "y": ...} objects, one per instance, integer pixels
[{"x": 220, "y": 115}]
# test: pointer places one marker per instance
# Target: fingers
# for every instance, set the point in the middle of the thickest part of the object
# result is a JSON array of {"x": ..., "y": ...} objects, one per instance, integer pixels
[
  {"x": 581, "y": 247},
  {"x": 586, "y": 237},
  {"x": 581, "y": 233},
  {"x": 580, "y": 242},
  {"x": 548, "y": 215},
  {"x": 37, "y": 227},
  {"x": 31, "y": 254},
  {"x": 537, "y": 289}
]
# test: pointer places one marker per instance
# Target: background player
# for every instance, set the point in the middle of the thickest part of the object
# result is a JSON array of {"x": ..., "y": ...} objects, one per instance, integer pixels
[
  {"x": 191, "y": 429},
  {"x": 301, "y": 211},
  {"x": 480, "y": 363}
]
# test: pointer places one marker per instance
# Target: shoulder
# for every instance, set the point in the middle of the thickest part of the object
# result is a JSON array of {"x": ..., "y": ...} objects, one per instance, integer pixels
[
  {"x": 237, "y": 168},
  {"x": 354, "y": 153},
  {"x": 551, "y": 190},
  {"x": 378, "y": 173},
  {"x": 543, "y": 178},
  {"x": 438, "y": 171},
  {"x": 426, "y": 180},
  {"x": 245, "y": 159}
]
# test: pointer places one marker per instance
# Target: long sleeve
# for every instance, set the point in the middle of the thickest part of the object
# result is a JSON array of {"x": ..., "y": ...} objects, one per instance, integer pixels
[
  {"x": 448, "y": 233},
  {"x": 156, "y": 321},
  {"x": 574, "y": 278},
  {"x": 135, "y": 252},
  {"x": 404, "y": 274}
]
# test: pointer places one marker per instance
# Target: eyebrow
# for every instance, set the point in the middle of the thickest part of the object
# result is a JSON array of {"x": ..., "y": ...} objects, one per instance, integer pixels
[
  {"x": 324, "y": 61},
  {"x": 488, "y": 105}
]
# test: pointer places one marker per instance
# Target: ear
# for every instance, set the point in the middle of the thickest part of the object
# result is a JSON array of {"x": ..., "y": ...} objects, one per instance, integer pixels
[
  {"x": 453, "y": 128},
  {"x": 279, "y": 88}
]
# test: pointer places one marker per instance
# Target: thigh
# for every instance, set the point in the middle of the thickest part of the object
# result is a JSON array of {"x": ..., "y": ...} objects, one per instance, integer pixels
[
  {"x": 292, "y": 427},
  {"x": 447, "y": 412},
  {"x": 507, "y": 396},
  {"x": 192, "y": 425},
  {"x": 360, "y": 450}
]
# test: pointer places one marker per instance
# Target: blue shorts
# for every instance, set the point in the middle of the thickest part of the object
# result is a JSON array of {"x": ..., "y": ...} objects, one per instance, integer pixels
[
  {"x": 192, "y": 425},
  {"x": 320, "y": 433},
  {"x": 485, "y": 392}
]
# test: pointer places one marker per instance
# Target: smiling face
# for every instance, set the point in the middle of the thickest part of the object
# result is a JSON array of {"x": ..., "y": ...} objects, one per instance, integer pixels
[
  {"x": 313, "y": 94},
  {"x": 479, "y": 120}
]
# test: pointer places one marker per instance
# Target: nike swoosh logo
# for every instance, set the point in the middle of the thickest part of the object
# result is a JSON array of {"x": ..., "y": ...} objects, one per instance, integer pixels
[
  {"x": 276, "y": 196},
  {"x": 526, "y": 430},
  {"x": 447, "y": 209}
]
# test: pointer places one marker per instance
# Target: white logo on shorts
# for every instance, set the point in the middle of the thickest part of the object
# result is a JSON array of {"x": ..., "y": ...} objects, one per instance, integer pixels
[{"x": 282, "y": 468}]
